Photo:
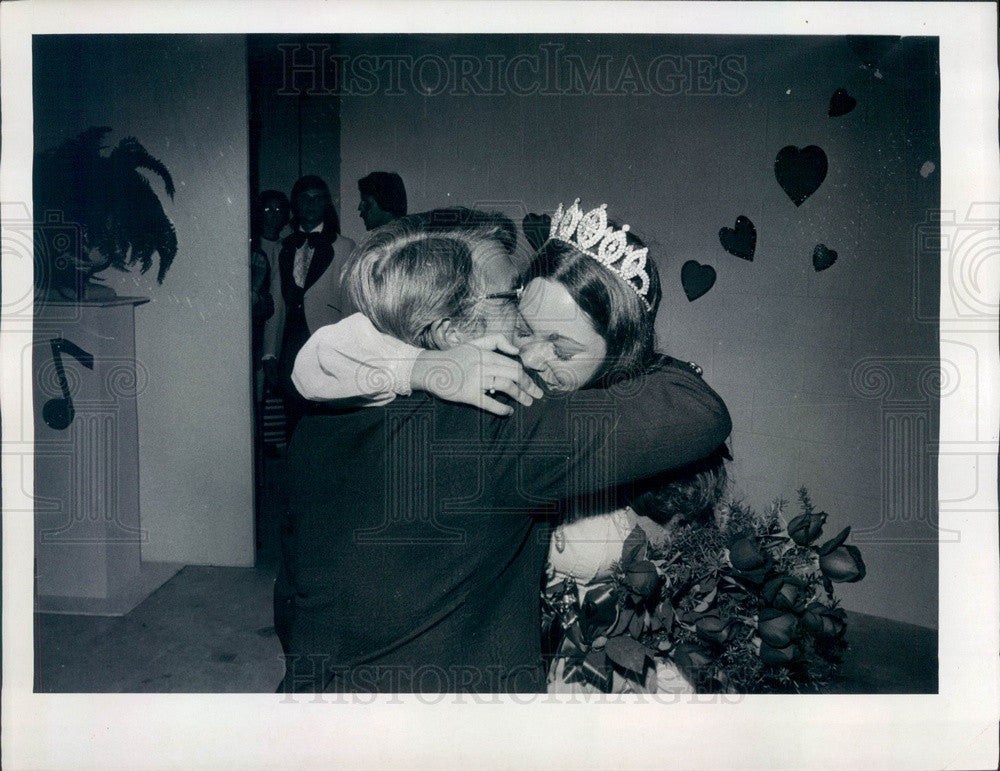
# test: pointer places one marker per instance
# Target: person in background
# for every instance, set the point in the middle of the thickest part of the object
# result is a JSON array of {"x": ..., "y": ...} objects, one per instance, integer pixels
[
  {"x": 268, "y": 226},
  {"x": 310, "y": 295},
  {"x": 383, "y": 198}
]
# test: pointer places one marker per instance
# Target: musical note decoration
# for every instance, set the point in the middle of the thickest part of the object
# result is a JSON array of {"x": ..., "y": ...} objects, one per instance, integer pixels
[{"x": 58, "y": 413}]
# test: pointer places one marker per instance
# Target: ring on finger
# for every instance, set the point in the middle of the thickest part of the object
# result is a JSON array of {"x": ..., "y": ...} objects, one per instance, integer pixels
[{"x": 493, "y": 382}]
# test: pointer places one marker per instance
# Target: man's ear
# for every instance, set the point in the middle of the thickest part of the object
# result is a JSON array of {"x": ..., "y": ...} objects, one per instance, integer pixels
[{"x": 443, "y": 334}]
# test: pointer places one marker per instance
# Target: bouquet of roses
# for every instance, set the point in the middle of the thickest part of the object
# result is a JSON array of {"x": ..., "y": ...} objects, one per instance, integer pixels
[{"x": 744, "y": 604}]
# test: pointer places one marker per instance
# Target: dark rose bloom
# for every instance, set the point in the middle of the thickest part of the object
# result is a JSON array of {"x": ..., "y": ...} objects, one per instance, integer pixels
[
  {"x": 806, "y": 528},
  {"x": 714, "y": 628},
  {"x": 642, "y": 578},
  {"x": 744, "y": 554},
  {"x": 843, "y": 565},
  {"x": 785, "y": 593},
  {"x": 776, "y": 628},
  {"x": 772, "y": 655},
  {"x": 749, "y": 561},
  {"x": 825, "y": 622},
  {"x": 840, "y": 563}
]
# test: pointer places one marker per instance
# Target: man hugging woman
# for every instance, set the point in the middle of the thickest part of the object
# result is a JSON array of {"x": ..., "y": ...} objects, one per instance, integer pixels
[{"x": 501, "y": 404}]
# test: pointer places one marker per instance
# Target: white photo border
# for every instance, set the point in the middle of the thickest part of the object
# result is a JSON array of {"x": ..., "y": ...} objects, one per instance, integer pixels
[{"x": 956, "y": 728}]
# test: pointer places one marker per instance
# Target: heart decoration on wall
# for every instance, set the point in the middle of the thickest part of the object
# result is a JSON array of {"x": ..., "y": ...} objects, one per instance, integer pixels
[
  {"x": 741, "y": 240},
  {"x": 800, "y": 172},
  {"x": 696, "y": 279},
  {"x": 823, "y": 257},
  {"x": 841, "y": 103}
]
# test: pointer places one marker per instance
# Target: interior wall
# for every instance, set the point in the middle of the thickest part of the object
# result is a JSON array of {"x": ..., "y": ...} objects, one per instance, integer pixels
[
  {"x": 824, "y": 372},
  {"x": 184, "y": 97},
  {"x": 298, "y": 114}
]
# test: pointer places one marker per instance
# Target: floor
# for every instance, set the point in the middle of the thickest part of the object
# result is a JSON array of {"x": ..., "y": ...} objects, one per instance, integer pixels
[{"x": 209, "y": 630}]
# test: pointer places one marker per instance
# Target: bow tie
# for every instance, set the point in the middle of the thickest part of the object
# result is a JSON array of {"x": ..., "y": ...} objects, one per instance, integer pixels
[{"x": 315, "y": 239}]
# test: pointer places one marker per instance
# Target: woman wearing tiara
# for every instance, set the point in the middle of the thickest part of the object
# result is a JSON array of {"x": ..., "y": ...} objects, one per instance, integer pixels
[{"x": 469, "y": 605}]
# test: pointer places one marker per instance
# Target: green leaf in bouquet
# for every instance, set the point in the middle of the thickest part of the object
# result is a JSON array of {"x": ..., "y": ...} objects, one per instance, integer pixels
[
  {"x": 665, "y": 615},
  {"x": 728, "y": 582},
  {"x": 804, "y": 500},
  {"x": 634, "y": 547},
  {"x": 705, "y": 600},
  {"x": 622, "y": 623},
  {"x": 595, "y": 668},
  {"x": 707, "y": 584},
  {"x": 834, "y": 542},
  {"x": 694, "y": 662},
  {"x": 635, "y": 626},
  {"x": 782, "y": 656},
  {"x": 628, "y": 653}
]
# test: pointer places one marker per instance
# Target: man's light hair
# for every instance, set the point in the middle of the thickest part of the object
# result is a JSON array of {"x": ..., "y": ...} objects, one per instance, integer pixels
[{"x": 427, "y": 267}]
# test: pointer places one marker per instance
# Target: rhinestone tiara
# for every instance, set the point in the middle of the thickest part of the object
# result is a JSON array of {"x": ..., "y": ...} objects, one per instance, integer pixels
[{"x": 590, "y": 234}]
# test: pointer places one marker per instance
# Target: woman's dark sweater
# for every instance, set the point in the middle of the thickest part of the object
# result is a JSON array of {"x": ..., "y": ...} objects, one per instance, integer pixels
[{"x": 411, "y": 542}]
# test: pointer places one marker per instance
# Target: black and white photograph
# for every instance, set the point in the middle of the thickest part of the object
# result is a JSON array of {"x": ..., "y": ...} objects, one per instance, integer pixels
[{"x": 563, "y": 384}]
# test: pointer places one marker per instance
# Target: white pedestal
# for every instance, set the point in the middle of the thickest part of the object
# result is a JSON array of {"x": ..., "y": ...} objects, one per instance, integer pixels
[{"x": 88, "y": 538}]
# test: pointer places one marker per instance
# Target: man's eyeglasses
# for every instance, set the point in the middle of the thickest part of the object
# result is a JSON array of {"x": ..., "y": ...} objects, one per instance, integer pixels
[{"x": 511, "y": 294}]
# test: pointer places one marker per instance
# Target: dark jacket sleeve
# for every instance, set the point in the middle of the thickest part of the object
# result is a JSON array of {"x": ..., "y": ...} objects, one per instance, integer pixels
[{"x": 579, "y": 443}]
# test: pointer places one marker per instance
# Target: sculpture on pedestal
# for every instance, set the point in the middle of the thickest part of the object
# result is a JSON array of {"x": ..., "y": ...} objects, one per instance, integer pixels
[{"x": 95, "y": 210}]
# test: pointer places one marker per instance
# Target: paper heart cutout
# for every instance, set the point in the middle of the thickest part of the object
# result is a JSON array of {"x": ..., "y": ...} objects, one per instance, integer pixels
[
  {"x": 823, "y": 257},
  {"x": 841, "y": 103},
  {"x": 800, "y": 172},
  {"x": 741, "y": 241},
  {"x": 696, "y": 279}
]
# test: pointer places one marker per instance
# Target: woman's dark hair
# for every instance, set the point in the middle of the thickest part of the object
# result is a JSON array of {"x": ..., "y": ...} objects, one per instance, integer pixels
[
  {"x": 691, "y": 492},
  {"x": 331, "y": 222},
  {"x": 616, "y": 311}
]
